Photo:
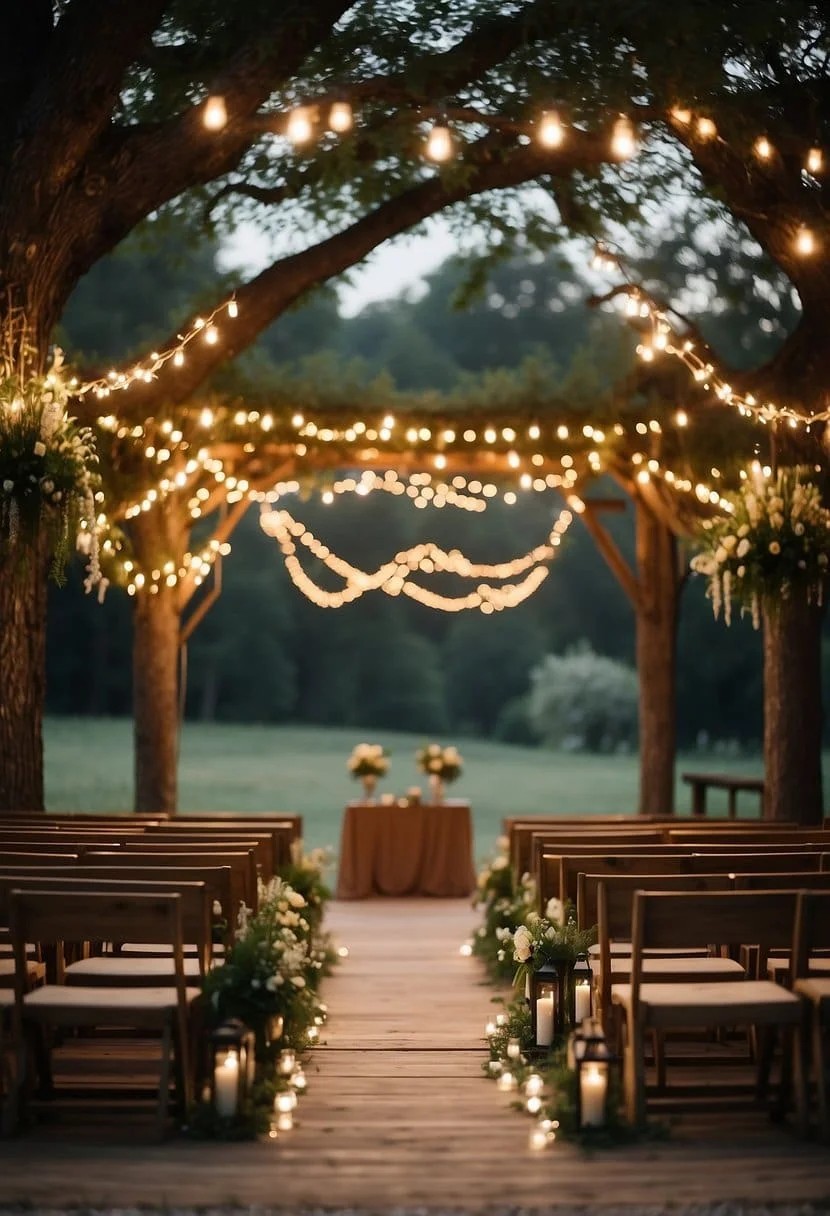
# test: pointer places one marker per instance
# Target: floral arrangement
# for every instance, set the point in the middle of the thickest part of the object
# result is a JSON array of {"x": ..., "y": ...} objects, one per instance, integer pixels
[
  {"x": 438, "y": 761},
  {"x": 775, "y": 541},
  {"x": 542, "y": 939},
  {"x": 48, "y": 468},
  {"x": 504, "y": 902},
  {"x": 368, "y": 760}
]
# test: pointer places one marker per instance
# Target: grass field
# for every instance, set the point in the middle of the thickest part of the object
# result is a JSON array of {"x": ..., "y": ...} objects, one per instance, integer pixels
[{"x": 303, "y": 769}]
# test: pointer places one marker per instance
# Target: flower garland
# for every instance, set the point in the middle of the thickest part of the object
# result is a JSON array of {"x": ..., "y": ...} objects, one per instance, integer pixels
[
  {"x": 48, "y": 469},
  {"x": 775, "y": 541},
  {"x": 504, "y": 902}
]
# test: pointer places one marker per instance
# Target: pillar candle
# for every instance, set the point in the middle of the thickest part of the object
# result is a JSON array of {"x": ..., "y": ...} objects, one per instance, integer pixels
[
  {"x": 226, "y": 1085},
  {"x": 544, "y": 1020},
  {"x": 593, "y": 1083},
  {"x": 582, "y": 1001}
]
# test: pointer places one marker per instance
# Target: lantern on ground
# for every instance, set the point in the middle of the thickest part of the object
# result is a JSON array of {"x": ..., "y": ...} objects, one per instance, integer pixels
[
  {"x": 287, "y": 1062},
  {"x": 232, "y": 1054},
  {"x": 593, "y": 1061},
  {"x": 547, "y": 1003},
  {"x": 582, "y": 990}
]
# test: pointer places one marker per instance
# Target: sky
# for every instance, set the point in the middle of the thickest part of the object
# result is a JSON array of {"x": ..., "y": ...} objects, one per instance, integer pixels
[{"x": 391, "y": 269}]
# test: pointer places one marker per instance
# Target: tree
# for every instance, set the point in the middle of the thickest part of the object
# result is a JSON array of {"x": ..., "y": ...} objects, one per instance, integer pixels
[{"x": 584, "y": 700}]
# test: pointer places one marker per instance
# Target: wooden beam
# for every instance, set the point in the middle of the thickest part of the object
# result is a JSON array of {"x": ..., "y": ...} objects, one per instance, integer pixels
[{"x": 609, "y": 549}]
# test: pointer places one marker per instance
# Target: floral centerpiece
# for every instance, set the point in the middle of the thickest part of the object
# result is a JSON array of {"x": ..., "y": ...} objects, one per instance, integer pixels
[
  {"x": 368, "y": 761},
  {"x": 775, "y": 542},
  {"x": 48, "y": 469},
  {"x": 441, "y": 764},
  {"x": 548, "y": 939}
]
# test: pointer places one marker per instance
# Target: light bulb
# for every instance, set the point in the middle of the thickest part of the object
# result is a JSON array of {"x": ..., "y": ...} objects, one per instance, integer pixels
[
  {"x": 551, "y": 133},
  {"x": 805, "y": 242},
  {"x": 623, "y": 142},
  {"x": 233, "y": 308},
  {"x": 439, "y": 145},
  {"x": 215, "y": 114},
  {"x": 681, "y": 115},
  {"x": 340, "y": 116},
  {"x": 706, "y": 129},
  {"x": 299, "y": 127},
  {"x": 815, "y": 161},
  {"x": 763, "y": 148}
]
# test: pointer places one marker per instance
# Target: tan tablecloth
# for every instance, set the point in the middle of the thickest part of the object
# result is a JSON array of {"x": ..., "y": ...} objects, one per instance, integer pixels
[{"x": 412, "y": 850}]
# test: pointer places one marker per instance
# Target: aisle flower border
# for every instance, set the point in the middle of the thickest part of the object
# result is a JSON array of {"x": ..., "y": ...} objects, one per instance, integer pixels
[{"x": 272, "y": 971}]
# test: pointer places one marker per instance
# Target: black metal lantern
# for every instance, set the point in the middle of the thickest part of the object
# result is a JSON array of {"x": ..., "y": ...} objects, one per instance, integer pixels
[
  {"x": 593, "y": 1061},
  {"x": 233, "y": 1061},
  {"x": 547, "y": 1004},
  {"x": 582, "y": 991}
]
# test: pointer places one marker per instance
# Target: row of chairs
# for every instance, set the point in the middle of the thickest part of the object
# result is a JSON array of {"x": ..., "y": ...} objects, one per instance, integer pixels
[
  {"x": 161, "y": 901},
  {"x": 654, "y": 975}
]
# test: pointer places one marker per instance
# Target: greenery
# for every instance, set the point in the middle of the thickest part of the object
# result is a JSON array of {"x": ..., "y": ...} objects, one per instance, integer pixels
[
  {"x": 540, "y": 940},
  {"x": 584, "y": 700},
  {"x": 774, "y": 543},
  {"x": 48, "y": 468},
  {"x": 503, "y": 901}
]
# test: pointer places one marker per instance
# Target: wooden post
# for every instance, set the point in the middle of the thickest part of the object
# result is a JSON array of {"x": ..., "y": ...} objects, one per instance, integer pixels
[{"x": 793, "y": 711}]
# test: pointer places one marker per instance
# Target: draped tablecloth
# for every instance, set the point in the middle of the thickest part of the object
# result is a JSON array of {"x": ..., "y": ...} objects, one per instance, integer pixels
[{"x": 420, "y": 849}]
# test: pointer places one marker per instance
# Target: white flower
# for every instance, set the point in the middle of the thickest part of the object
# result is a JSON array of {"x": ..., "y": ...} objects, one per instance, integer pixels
[
  {"x": 743, "y": 530},
  {"x": 500, "y": 863},
  {"x": 298, "y": 981},
  {"x": 522, "y": 944},
  {"x": 798, "y": 529},
  {"x": 729, "y": 543},
  {"x": 39, "y": 448},
  {"x": 774, "y": 547},
  {"x": 743, "y": 548},
  {"x": 295, "y": 899},
  {"x": 554, "y": 911},
  {"x": 8, "y": 486}
]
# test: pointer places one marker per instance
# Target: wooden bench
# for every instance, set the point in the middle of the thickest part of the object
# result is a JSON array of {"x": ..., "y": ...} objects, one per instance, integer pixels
[
  {"x": 701, "y": 782},
  {"x": 812, "y": 933}
]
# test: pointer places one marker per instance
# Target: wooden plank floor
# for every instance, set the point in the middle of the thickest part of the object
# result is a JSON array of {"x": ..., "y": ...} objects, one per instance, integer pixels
[{"x": 399, "y": 1115}]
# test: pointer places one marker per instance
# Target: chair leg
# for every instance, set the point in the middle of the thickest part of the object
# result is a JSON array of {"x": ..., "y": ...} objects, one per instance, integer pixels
[
  {"x": 766, "y": 1048},
  {"x": 164, "y": 1081},
  {"x": 785, "y": 1087},
  {"x": 801, "y": 1070},
  {"x": 820, "y": 1068},
  {"x": 634, "y": 1081},
  {"x": 658, "y": 1047}
]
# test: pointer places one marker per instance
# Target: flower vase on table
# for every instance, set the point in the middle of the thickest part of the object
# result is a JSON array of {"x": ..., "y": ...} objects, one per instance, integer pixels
[
  {"x": 436, "y": 788},
  {"x": 369, "y": 783}
]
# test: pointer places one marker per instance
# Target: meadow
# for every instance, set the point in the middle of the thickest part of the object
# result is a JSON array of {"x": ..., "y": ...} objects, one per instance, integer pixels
[{"x": 255, "y": 768}]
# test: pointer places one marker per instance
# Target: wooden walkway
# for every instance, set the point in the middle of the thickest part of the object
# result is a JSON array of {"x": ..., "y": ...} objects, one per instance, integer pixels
[{"x": 399, "y": 1115}]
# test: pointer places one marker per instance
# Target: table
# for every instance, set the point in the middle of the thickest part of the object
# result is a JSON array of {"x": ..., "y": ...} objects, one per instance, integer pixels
[
  {"x": 700, "y": 782},
  {"x": 419, "y": 849}
]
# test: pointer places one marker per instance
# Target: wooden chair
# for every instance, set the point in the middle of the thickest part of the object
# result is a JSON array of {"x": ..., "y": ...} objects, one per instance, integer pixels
[
  {"x": 664, "y": 919},
  {"x": 51, "y": 916},
  {"x": 812, "y": 933}
]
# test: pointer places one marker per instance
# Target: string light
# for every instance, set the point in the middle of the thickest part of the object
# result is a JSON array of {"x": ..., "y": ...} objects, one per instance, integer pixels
[
  {"x": 706, "y": 128},
  {"x": 815, "y": 161},
  {"x": 215, "y": 113},
  {"x": 145, "y": 371},
  {"x": 763, "y": 148},
  {"x": 623, "y": 139},
  {"x": 341, "y": 117},
  {"x": 805, "y": 242},
  {"x": 440, "y": 145},
  {"x": 550, "y": 132},
  {"x": 299, "y": 126}
]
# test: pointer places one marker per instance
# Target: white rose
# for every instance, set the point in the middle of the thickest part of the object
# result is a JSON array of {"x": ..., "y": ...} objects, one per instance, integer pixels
[
  {"x": 8, "y": 486},
  {"x": 774, "y": 548},
  {"x": 743, "y": 548},
  {"x": 39, "y": 449},
  {"x": 295, "y": 899},
  {"x": 554, "y": 911},
  {"x": 522, "y": 944},
  {"x": 798, "y": 529},
  {"x": 500, "y": 863},
  {"x": 298, "y": 981}
]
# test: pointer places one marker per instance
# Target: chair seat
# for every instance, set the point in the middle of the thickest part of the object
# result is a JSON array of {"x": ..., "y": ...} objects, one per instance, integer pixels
[
  {"x": 140, "y": 949},
  {"x": 113, "y": 969},
  {"x": 624, "y": 948},
  {"x": 679, "y": 970},
  {"x": 35, "y": 972},
  {"x": 703, "y": 1004},
  {"x": 102, "y": 1005},
  {"x": 816, "y": 989},
  {"x": 778, "y": 968}
]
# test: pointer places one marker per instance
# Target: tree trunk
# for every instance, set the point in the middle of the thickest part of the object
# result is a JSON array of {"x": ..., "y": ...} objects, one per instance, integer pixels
[
  {"x": 158, "y": 536},
  {"x": 22, "y": 678},
  {"x": 793, "y": 711},
  {"x": 656, "y": 618}
]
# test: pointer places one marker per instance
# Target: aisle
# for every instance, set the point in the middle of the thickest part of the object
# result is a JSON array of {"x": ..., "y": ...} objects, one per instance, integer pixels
[{"x": 398, "y": 1114}]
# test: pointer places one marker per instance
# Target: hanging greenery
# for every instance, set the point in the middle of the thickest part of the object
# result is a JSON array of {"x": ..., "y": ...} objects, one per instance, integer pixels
[
  {"x": 775, "y": 542},
  {"x": 48, "y": 469}
]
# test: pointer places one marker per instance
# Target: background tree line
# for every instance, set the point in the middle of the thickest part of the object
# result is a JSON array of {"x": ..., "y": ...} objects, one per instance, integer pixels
[{"x": 265, "y": 653}]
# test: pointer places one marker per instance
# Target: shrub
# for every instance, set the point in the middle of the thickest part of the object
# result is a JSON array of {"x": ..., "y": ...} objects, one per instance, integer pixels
[{"x": 584, "y": 701}]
